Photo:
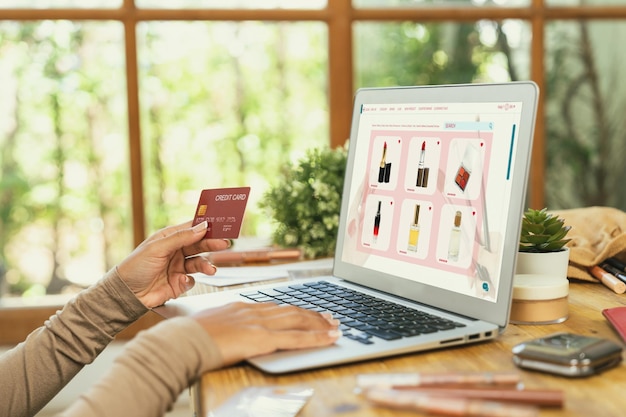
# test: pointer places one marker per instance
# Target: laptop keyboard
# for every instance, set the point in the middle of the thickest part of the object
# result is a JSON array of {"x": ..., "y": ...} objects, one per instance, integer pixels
[{"x": 363, "y": 317}]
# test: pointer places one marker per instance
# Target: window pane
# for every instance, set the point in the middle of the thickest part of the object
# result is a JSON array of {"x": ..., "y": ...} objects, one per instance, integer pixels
[
  {"x": 585, "y": 126},
  {"x": 60, "y": 4},
  {"x": 231, "y": 108},
  {"x": 232, "y": 4},
  {"x": 439, "y": 53},
  {"x": 64, "y": 177},
  {"x": 446, "y": 3}
]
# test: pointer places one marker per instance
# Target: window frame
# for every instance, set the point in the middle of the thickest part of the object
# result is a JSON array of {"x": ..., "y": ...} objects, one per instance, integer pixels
[{"x": 339, "y": 15}]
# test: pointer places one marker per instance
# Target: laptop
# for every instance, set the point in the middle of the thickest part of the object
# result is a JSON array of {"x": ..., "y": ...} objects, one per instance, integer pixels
[{"x": 433, "y": 197}]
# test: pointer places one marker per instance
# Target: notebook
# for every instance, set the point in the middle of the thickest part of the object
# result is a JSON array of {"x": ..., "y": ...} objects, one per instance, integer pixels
[
  {"x": 616, "y": 316},
  {"x": 432, "y": 203}
]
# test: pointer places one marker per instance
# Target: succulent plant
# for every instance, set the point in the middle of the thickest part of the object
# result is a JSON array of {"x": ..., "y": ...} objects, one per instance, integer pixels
[{"x": 542, "y": 232}]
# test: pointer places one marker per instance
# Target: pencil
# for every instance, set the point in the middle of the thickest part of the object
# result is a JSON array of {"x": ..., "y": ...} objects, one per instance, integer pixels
[
  {"x": 254, "y": 256},
  {"x": 448, "y": 406},
  {"x": 416, "y": 379},
  {"x": 545, "y": 398}
]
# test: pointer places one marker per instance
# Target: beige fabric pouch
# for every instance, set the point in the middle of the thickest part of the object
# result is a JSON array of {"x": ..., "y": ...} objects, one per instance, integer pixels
[{"x": 597, "y": 233}]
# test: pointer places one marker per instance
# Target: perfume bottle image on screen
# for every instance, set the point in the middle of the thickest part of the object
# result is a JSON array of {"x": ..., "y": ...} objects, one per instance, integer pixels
[
  {"x": 384, "y": 170},
  {"x": 422, "y": 172},
  {"x": 414, "y": 230},
  {"x": 455, "y": 238},
  {"x": 377, "y": 222},
  {"x": 470, "y": 158}
]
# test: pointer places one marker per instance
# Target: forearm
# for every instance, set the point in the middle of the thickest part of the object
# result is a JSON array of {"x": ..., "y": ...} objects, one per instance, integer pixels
[
  {"x": 147, "y": 378},
  {"x": 35, "y": 370}
]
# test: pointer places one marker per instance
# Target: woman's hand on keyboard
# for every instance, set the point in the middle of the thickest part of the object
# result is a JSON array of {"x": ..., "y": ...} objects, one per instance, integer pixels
[{"x": 243, "y": 330}]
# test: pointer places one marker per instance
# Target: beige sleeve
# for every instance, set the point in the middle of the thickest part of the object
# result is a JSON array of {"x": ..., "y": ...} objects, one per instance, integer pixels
[
  {"x": 37, "y": 369},
  {"x": 151, "y": 372}
]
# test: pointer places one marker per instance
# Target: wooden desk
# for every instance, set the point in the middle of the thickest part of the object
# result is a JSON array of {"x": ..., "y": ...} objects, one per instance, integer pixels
[{"x": 602, "y": 395}]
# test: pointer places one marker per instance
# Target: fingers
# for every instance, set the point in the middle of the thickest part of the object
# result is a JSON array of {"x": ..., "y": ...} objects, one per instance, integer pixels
[
  {"x": 166, "y": 231},
  {"x": 289, "y": 327},
  {"x": 188, "y": 239},
  {"x": 185, "y": 283},
  {"x": 270, "y": 316},
  {"x": 191, "y": 237},
  {"x": 276, "y": 318},
  {"x": 295, "y": 328},
  {"x": 199, "y": 263},
  {"x": 206, "y": 245},
  {"x": 244, "y": 330},
  {"x": 299, "y": 339}
]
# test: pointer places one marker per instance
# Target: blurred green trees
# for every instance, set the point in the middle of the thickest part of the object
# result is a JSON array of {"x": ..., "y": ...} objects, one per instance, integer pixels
[{"x": 236, "y": 106}]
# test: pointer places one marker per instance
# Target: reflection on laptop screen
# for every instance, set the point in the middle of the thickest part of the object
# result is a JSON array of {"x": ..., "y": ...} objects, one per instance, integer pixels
[{"x": 430, "y": 188}]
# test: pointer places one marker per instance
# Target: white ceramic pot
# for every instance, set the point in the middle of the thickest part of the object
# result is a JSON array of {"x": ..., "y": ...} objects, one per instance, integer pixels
[
  {"x": 539, "y": 299},
  {"x": 540, "y": 288},
  {"x": 550, "y": 263}
]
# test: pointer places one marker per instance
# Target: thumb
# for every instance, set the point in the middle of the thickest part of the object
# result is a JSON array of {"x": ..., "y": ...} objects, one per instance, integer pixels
[
  {"x": 184, "y": 237},
  {"x": 189, "y": 282}
]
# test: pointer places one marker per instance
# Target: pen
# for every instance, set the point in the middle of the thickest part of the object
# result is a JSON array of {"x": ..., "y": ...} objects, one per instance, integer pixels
[
  {"x": 616, "y": 263},
  {"x": 614, "y": 271},
  {"x": 262, "y": 255},
  {"x": 449, "y": 406},
  {"x": 397, "y": 380},
  {"x": 608, "y": 280}
]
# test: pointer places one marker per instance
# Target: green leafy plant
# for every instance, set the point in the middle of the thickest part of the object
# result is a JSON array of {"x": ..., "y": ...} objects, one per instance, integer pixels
[
  {"x": 542, "y": 232},
  {"x": 306, "y": 202}
]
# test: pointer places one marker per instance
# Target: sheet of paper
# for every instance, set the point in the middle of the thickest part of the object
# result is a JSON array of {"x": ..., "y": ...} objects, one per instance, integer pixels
[{"x": 243, "y": 274}]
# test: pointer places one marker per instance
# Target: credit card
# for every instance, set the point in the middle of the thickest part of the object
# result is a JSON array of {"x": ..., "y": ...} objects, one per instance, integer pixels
[{"x": 223, "y": 210}]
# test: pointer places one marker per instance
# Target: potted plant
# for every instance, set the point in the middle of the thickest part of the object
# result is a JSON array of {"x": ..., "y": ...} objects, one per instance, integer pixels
[
  {"x": 542, "y": 243},
  {"x": 306, "y": 201},
  {"x": 541, "y": 287}
]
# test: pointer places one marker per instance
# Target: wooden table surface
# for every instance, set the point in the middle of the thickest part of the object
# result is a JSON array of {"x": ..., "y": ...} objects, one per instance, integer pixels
[{"x": 602, "y": 395}]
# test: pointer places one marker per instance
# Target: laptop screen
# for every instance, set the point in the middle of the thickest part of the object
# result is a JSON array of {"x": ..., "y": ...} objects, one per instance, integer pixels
[{"x": 434, "y": 189}]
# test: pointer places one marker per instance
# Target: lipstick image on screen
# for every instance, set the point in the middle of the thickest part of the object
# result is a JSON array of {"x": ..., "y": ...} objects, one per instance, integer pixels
[
  {"x": 383, "y": 164},
  {"x": 384, "y": 170},
  {"x": 422, "y": 172},
  {"x": 377, "y": 222}
]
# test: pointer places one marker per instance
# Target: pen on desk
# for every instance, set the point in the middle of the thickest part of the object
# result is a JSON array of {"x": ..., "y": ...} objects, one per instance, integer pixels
[
  {"x": 397, "y": 380},
  {"x": 449, "y": 406},
  {"x": 262, "y": 255},
  {"x": 608, "y": 280},
  {"x": 613, "y": 271}
]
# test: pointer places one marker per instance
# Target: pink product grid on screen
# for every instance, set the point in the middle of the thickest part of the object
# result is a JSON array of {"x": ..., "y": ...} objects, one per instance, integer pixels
[
  {"x": 430, "y": 205},
  {"x": 429, "y": 191}
]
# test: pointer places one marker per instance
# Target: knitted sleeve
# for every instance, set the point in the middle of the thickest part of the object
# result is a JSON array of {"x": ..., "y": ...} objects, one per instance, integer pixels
[{"x": 37, "y": 369}]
